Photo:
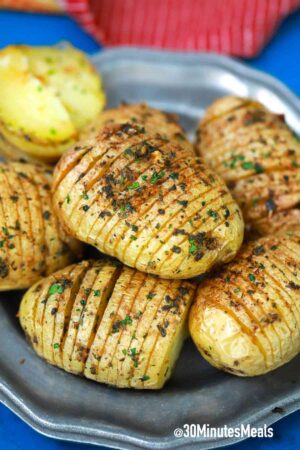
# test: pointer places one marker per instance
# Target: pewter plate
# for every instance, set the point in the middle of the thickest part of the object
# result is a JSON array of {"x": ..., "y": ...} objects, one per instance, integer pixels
[{"x": 63, "y": 406}]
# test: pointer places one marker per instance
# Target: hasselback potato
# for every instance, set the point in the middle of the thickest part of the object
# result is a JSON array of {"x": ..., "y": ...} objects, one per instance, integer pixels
[
  {"x": 148, "y": 201},
  {"x": 109, "y": 323},
  {"x": 165, "y": 125},
  {"x": 259, "y": 158},
  {"x": 61, "y": 90},
  {"x": 246, "y": 318},
  {"x": 32, "y": 243}
]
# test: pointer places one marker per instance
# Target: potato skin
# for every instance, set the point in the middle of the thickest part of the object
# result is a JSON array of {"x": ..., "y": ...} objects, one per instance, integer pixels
[
  {"x": 259, "y": 158},
  {"x": 32, "y": 243},
  {"x": 109, "y": 323},
  {"x": 246, "y": 318},
  {"x": 155, "y": 121},
  {"x": 147, "y": 201},
  {"x": 64, "y": 93}
]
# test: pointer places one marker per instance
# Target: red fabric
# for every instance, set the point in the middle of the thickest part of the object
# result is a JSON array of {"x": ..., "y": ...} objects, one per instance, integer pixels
[{"x": 236, "y": 27}]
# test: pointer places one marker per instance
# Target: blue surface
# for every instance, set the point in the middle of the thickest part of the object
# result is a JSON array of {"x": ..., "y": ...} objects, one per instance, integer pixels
[{"x": 281, "y": 58}]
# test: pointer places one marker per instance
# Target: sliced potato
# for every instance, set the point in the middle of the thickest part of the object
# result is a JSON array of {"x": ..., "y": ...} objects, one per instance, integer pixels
[
  {"x": 109, "y": 323},
  {"x": 92, "y": 314},
  {"x": 155, "y": 121},
  {"x": 259, "y": 158},
  {"x": 64, "y": 95},
  {"x": 32, "y": 243},
  {"x": 147, "y": 201},
  {"x": 246, "y": 318}
]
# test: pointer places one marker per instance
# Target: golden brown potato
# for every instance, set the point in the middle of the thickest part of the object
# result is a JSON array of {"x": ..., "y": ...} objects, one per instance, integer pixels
[
  {"x": 147, "y": 201},
  {"x": 246, "y": 318},
  {"x": 259, "y": 158},
  {"x": 47, "y": 97},
  {"x": 156, "y": 122},
  {"x": 109, "y": 323},
  {"x": 32, "y": 243}
]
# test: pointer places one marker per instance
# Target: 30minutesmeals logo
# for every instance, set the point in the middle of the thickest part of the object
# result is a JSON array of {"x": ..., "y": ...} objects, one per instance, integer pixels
[{"x": 206, "y": 431}]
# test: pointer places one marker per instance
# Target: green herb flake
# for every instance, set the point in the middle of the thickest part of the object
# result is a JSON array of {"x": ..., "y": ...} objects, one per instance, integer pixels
[
  {"x": 213, "y": 214},
  {"x": 193, "y": 246},
  {"x": 251, "y": 277},
  {"x": 145, "y": 378},
  {"x": 56, "y": 288},
  {"x": 133, "y": 186},
  {"x": 157, "y": 176}
]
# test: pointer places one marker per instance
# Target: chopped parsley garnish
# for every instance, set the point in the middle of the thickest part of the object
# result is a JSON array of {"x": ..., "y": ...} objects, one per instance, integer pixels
[
  {"x": 145, "y": 378},
  {"x": 251, "y": 277},
  {"x": 213, "y": 214},
  {"x": 56, "y": 288},
  {"x": 193, "y": 246},
  {"x": 248, "y": 165},
  {"x": 232, "y": 163},
  {"x": 128, "y": 151},
  {"x": 133, "y": 186},
  {"x": 156, "y": 176}
]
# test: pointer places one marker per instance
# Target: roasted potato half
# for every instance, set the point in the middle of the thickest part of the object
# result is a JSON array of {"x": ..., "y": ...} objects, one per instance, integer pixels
[
  {"x": 259, "y": 158},
  {"x": 32, "y": 243},
  {"x": 246, "y": 318},
  {"x": 148, "y": 201},
  {"x": 48, "y": 95},
  {"x": 110, "y": 323}
]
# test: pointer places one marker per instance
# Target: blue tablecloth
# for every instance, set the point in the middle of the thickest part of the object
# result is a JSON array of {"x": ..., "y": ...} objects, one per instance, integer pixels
[{"x": 281, "y": 59}]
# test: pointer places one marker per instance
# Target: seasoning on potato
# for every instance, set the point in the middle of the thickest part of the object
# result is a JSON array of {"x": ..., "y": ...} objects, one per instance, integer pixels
[
  {"x": 259, "y": 158},
  {"x": 148, "y": 201},
  {"x": 108, "y": 322},
  {"x": 246, "y": 318},
  {"x": 155, "y": 121},
  {"x": 32, "y": 243},
  {"x": 48, "y": 95}
]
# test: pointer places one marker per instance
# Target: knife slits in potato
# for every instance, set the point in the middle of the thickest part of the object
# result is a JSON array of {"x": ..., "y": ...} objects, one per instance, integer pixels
[
  {"x": 246, "y": 317},
  {"x": 110, "y": 323},
  {"x": 143, "y": 198},
  {"x": 259, "y": 158},
  {"x": 32, "y": 243}
]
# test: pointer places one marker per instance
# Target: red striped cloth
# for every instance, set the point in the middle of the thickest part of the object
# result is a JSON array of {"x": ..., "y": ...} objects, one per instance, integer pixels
[{"x": 236, "y": 27}]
